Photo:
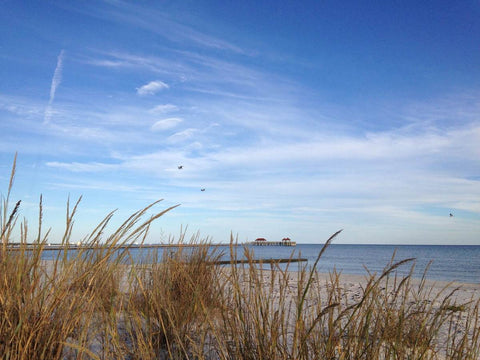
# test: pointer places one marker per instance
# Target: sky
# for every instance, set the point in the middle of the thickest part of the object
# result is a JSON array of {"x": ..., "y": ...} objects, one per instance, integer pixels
[{"x": 298, "y": 118}]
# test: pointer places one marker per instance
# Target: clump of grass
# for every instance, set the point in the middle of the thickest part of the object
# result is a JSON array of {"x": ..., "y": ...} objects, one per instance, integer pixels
[
  {"x": 34, "y": 314},
  {"x": 61, "y": 308},
  {"x": 171, "y": 299}
]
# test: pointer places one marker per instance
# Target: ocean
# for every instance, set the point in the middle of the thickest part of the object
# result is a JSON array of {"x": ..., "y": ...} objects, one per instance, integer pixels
[{"x": 446, "y": 262}]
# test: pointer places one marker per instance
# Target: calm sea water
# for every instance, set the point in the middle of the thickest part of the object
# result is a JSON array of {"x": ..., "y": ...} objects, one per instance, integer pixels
[{"x": 449, "y": 263}]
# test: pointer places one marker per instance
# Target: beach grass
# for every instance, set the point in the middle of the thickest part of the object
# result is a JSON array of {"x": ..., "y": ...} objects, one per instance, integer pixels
[{"x": 98, "y": 303}]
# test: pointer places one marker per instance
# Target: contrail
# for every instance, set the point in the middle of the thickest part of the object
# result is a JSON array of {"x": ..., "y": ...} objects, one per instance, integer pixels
[{"x": 56, "y": 80}]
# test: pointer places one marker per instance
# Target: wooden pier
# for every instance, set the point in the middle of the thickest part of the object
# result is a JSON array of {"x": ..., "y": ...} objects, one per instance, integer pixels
[
  {"x": 273, "y": 243},
  {"x": 263, "y": 242}
]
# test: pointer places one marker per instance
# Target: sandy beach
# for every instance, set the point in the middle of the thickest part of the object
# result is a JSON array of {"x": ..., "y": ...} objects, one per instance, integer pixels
[
  {"x": 247, "y": 289},
  {"x": 464, "y": 292},
  {"x": 353, "y": 285}
]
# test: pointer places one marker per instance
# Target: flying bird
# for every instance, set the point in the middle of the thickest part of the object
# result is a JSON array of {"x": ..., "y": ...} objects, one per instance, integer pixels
[
  {"x": 180, "y": 167},
  {"x": 451, "y": 215},
  {"x": 202, "y": 189}
]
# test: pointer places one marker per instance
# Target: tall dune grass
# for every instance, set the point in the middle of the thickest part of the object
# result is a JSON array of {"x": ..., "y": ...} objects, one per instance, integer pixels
[{"x": 98, "y": 303}]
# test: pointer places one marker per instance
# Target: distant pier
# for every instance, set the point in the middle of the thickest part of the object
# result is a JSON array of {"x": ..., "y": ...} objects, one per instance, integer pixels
[
  {"x": 265, "y": 242},
  {"x": 273, "y": 243}
]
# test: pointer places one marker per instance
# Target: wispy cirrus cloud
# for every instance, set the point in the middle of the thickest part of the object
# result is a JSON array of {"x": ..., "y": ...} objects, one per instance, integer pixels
[
  {"x": 21, "y": 106},
  {"x": 152, "y": 88},
  {"x": 166, "y": 124},
  {"x": 82, "y": 167},
  {"x": 432, "y": 146},
  {"x": 131, "y": 61},
  {"x": 182, "y": 136},
  {"x": 162, "y": 24},
  {"x": 163, "y": 109},
  {"x": 203, "y": 73},
  {"x": 56, "y": 80}
]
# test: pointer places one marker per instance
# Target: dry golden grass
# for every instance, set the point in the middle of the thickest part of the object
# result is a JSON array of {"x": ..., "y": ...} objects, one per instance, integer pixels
[{"x": 97, "y": 303}]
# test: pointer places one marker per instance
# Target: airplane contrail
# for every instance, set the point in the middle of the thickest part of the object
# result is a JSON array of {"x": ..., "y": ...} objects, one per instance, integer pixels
[{"x": 56, "y": 80}]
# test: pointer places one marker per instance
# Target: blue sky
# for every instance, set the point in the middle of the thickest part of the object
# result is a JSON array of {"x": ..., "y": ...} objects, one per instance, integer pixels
[{"x": 298, "y": 118}]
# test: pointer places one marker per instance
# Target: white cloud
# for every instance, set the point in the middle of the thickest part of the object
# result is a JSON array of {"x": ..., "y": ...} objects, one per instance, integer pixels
[
  {"x": 56, "y": 80},
  {"x": 107, "y": 63},
  {"x": 82, "y": 167},
  {"x": 155, "y": 64},
  {"x": 432, "y": 146},
  {"x": 164, "y": 108},
  {"x": 182, "y": 135},
  {"x": 166, "y": 124},
  {"x": 152, "y": 88},
  {"x": 20, "y": 106},
  {"x": 49, "y": 112},
  {"x": 162, "y": 24},
  {"x": 100, "y": 185},
  {"x": 57, "y": 75}
]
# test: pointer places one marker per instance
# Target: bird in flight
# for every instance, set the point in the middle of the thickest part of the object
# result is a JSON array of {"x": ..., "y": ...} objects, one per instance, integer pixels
[
  {"x": 451, "y": 215},
  {"x": 202, "y": 189},
  {"x": 180, "y": 167}
]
